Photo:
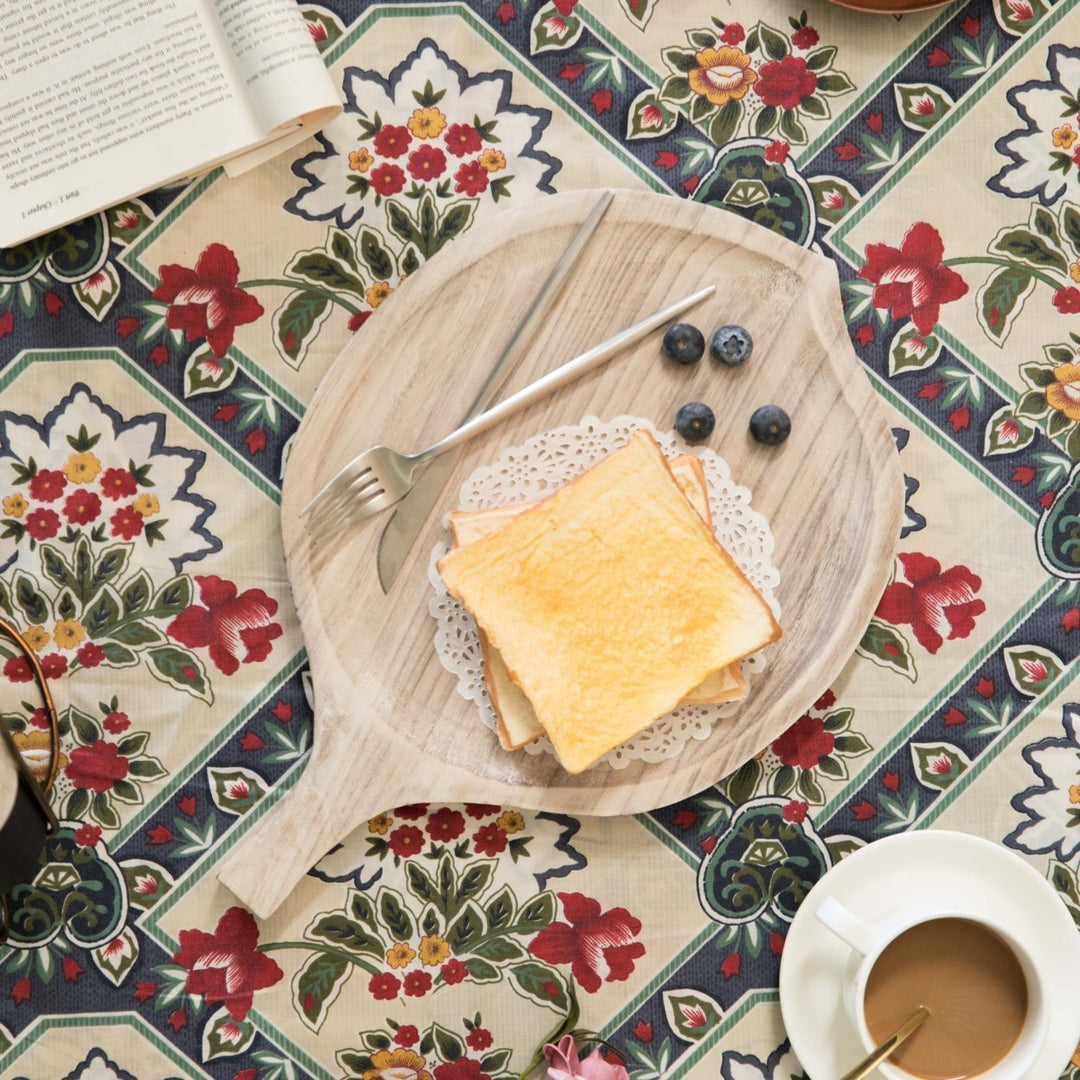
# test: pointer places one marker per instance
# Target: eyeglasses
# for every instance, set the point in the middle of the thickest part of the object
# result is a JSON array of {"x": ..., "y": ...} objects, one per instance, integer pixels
[{"x": 30, "y": 820}]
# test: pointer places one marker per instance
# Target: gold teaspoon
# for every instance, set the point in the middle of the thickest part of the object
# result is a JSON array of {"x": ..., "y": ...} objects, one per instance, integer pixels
[{"x": 876, "y": 1057}]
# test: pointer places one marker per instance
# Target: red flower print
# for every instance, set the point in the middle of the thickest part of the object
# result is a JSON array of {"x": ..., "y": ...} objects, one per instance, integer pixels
[
  {"x": 795, "y": 810},
  {"x": 504, "y": 13},
  {"x": 689, "y": 185},
  {"x": 159, "y": 355},
  {"x": 144, "y": 991},
  {"x": 47, "y": 485},
  {"x": 427, "y": 163},
  {"x": 891, "y": 780},
  {"x": 126, "y": 522},
  {"x": 116, "y": 722},
  {"x": 225, "y": 965},
  {"x": 159, "y": 834},
  {"x": 71, "y": 968},
  {"x": 462, "y": 139},
  {"x": 237, "y": 628},
  {"x": 462, "y": 1068},
  {"x": 571, "y": 72},
  {"x": 117, "y": 484},
  {"x": 226, "y": 413},
  {"x": 417, "y": 983},
  {"x": 454, "y": 971},
  {"x": 938, "y": 57},
  {"x": 87, "y": 835},
  {"x": 732, "y": 34},
  {"x": 643, "y": 1031},
  {"x": 42, "y": 523},
  {"x": 126, "y": 326},
  {"x": 970, "y": 26},
  {"x": 255, "y": 441},
  {"x": 406, "y": 840},
  {"x": 414, "y": 811},
  {"x": 1047, "y": 500},
  {"x": 387, "y": 179},
  {"x": 684, "y": 819},
  {"x": 479, "y": 1039},
  {"x": 392, "y": 140},
  {"x": 929, "y": 391},
  {"x": 489, "y": 840},
  {"x": 18, "y": 669},
  {"x": 826, "y": 701},
  {"x": 53, "y": 304},
  {"x": 96, "y": 767},
  {"x": 776, "y": 943},
  {"x": 476, "y": 810},
  {"x": 82, "y": 507},
  {"x": 846, "y": 151},
  {"x": 864, "y": 335},
  {"x": 54, "y": 665},
  {"x": 708, "y": 844},
  {"x": 731, "y": 966},
  {"x": 777, "y": 151},
  {"x": 601, "y": 102},
  {"x": 7, "y": 324},
  {"x": 1070, "y": 620},
  {"x": 910, "y": 280},
  {"x": 784, "y": 83},
  {"x": 384, "y": 987},
  {"x": 177, "y": 1020},
  {"x": 864, "y": 811},
  {"x": 666, "y": 160},
  {"x": 282, "y": 711},
  {"x": 187, "y": 805},
  {"x": 471, "y": 178},
  {"x": 953, "y": 717},
  {"x": 407, "y": 1035},
  {"x": 932, "y": 602},
  {"x": 1067, "y": 301},
  {"x": 806, "y": 37},
  {"x": 20, "y": 992},
  {"x": 960, "y": 418},
  {"x": 564, "y": 7},
  {"x": 599, "y": 946},
  {"x": 874, "y": 121},
  {"x": 205, "y": 302},
  {"x": 250, "y": 741},
  {"x": 985, "y": 687},
  {"x": 39, "y": 718},
  {"x": 805, "y": 743},
  {"x": 445, "y": 825}
]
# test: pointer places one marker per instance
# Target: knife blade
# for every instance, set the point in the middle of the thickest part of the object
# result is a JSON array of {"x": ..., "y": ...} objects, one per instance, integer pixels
[{"x": 408, "y": 518}]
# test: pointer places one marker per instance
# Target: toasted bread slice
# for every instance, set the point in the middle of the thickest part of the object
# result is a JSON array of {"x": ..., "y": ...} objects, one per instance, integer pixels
[
  {"x": 516, "y": 720},
  {"x": 609, "y": 601}
]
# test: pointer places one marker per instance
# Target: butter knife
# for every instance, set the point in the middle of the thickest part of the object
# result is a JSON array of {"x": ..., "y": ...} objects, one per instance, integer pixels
[{"x": 408, "y": 519}]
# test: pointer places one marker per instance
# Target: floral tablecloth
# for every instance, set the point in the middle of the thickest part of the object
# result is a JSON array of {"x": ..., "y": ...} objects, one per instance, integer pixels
[{"x": 155, "y": 362}]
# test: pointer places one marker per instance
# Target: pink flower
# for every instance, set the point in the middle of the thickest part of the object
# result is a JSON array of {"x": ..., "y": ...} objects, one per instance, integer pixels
[
  {"x": 226, "y": 966},
  {"x": 238, "y": 628},
  {"x": 599, "y": 946},
  {"x": 205, "y": 302},
  {"x": 911, "y": 280},
  {"x": 932, "y": 602},
  {"x": 564, "y": 1063}
]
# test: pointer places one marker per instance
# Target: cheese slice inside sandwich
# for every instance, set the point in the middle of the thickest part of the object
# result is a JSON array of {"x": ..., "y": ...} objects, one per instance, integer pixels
[
  {"x": 609, "y": 601},
  {"x": 515, "y": 717}
]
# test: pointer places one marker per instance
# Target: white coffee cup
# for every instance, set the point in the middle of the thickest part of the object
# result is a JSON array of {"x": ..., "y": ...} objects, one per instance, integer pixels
[{"x": 868, "y": 940}]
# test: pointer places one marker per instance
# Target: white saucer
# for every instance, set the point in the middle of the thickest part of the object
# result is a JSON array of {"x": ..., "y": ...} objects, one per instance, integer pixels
[{"x": 891, "y": 872}]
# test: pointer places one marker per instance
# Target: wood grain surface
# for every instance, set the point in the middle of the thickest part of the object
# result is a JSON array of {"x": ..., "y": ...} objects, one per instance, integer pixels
[{"x": 390, "y": 726}]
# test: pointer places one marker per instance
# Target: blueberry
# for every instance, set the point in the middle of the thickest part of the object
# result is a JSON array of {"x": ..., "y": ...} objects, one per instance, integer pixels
[
  {"x": 684, "y": 343},
  {"x": 695, "y": 421},
  {"x": 731, "y": 345},
  {"x": 770, "y": 425}
]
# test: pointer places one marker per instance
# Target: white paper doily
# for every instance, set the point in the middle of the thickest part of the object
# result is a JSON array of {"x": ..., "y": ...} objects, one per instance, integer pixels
[{"x": 542, "y": 465}]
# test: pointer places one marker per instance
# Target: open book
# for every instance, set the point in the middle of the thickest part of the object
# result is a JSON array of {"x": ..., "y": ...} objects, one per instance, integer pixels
[{"x": 105, "y": 100}]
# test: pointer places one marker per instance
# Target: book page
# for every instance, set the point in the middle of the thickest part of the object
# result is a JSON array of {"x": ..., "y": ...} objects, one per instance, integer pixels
[{"x": 101, "y": 101}]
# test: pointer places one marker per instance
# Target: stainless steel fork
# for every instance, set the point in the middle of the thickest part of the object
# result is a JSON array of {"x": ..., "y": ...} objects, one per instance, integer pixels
[{"x": 379, "y": 477}]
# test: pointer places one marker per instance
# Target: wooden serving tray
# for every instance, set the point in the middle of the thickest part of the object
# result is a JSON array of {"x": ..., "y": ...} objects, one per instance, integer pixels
[{"x": 390, "y": 726}]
